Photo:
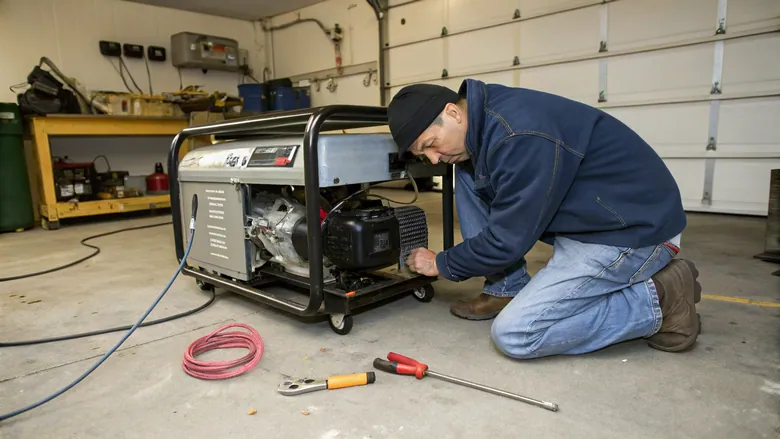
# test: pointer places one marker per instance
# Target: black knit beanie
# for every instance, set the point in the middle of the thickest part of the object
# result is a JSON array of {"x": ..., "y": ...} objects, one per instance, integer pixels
[{"x": 413, "y": 109}]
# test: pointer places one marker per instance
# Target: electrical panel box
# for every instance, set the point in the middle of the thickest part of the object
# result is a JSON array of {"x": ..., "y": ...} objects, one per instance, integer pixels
[{"x": 198, "y": 51}]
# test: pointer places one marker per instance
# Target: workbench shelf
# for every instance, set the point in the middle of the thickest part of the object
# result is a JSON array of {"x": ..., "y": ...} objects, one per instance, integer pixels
[
  {"x": 100, "y": 207},
  {"x": 49, "y": 210}
]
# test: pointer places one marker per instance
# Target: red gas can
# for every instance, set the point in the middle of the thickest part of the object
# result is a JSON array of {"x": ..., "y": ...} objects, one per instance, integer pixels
[{"x": 157, "y": 183}]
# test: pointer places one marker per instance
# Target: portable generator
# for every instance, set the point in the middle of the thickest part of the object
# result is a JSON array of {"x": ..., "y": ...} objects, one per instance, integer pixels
[{"x": 284, "y": 215}]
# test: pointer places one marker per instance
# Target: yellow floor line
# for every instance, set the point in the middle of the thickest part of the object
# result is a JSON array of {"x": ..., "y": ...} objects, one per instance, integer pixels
[{"x": 741, "y": 300}]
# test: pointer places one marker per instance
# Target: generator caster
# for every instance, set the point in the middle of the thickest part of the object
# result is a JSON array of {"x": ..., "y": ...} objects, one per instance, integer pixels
[
  {"x": 424, "y": 294},
  {"x": 340, "y": 324},
  {"x": 204, "y": 286}
]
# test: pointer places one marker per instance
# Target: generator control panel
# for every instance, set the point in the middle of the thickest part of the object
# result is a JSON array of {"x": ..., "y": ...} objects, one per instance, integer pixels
[
  {"x": 207, "y": 52},
  {"x": 272, "y": 156}
]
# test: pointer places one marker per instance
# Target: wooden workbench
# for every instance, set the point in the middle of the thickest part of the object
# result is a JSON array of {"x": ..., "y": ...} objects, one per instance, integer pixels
[{"x": 50, "y": 211}]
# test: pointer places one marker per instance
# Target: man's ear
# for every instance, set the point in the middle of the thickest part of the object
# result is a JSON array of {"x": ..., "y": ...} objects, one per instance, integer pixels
[{"x": 455, "y": 112}]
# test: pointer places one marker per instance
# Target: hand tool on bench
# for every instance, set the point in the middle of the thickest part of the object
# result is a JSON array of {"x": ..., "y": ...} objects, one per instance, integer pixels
[
  {"x": 401, "y": 365},
  {"x": 296, "y": 386}
]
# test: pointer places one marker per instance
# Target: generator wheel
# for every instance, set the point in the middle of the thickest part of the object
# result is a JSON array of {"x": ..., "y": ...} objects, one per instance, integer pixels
[
  {"x": 424, "y": 294},
  {"x": 340, "y": 324},
  {"x": 204, "y": 286}
]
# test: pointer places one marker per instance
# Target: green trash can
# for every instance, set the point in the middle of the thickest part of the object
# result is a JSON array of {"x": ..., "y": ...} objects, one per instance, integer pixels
[{"x": 16, "y": 209}]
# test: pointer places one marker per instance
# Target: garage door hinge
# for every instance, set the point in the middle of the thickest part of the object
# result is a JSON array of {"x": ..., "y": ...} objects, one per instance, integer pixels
[
  {"x": 721, "y": 25},
  {"x": 444, "y": 73},
  {"x": 712, "y": 144},
  {"x": 444, "y": 31},
  {"x": 716, "y": 90},
  {"x": 516, "y": 15},
  {"x": 717, "y": 69},
  {"x": 516, "y": 61}
]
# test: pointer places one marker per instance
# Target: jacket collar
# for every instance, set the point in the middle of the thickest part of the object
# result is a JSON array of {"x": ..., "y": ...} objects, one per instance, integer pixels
[{"x": 474, "y": 91}]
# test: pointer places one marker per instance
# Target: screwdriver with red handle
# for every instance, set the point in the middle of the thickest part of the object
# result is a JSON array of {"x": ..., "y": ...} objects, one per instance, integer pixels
[{"x": 401, "y": 365}]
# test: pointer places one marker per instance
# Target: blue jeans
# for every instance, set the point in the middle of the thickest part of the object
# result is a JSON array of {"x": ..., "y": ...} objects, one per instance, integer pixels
[{"x": 589, "y": 296}]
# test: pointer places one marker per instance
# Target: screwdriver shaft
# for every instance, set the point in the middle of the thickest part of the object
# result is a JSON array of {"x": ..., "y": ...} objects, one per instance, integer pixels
[{"x": 543, "y": 404}]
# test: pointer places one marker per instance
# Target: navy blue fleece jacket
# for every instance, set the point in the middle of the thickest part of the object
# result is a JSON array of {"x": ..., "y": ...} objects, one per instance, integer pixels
[{"x": 549, "y": 166}]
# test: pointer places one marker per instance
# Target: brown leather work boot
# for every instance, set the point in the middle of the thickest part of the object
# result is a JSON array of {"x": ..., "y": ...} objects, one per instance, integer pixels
[
  {"x": 484, "y": 307},
  {"x": 680, "y": 291}
]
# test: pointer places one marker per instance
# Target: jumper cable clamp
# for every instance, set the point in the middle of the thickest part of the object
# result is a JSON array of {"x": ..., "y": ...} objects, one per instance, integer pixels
[{"x": 401, "y": 365}]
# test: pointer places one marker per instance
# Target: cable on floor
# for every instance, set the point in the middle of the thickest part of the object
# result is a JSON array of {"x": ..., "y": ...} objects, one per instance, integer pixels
[
  {"x": 78, "y": 261},
  {"x": 8, "y": 344},
  {"x": 127, "y": 335},
  {"x": 219, "y": 339}
]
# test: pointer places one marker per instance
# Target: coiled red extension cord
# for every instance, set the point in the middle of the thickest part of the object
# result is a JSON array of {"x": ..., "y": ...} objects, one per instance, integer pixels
[{"x": 220, "y": 370}]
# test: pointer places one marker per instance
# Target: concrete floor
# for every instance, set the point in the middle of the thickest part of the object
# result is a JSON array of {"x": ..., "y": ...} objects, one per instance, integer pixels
[{"x": 727, "y": 387}]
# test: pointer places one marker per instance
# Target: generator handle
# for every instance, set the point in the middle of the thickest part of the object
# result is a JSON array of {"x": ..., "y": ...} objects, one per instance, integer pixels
[{"x": 312, "y": 192}]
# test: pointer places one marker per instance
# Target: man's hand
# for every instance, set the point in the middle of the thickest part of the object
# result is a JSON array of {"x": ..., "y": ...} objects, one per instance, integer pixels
[{"x": 423, "y": 261}]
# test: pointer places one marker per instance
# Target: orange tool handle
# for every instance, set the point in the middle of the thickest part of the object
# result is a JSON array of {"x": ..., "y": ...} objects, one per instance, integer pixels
[{"x": 356, "y": 379}]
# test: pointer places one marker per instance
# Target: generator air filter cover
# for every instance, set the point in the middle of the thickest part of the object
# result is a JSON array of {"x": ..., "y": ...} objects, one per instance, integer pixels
[{"x": 363, "y": 239}]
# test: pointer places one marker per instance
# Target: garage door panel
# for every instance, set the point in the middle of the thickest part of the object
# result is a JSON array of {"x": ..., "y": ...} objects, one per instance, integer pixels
[
  {"x": 532, "y": 8},
  {"x": 449, "y": 83},
  {"x": 421, "y": 20},
  {"x": 469, "y": 14},
  {"x": 648, "y": 22},
  {"x": 560, "y": 36},
  {"x": 742, "y": 185},
  {"x": 689, "y": 175},
  {"x": 483, "y": 50},
  {"x": 683, "y": 72},
  {"x": 674, "y": 131},
  {"x": 752, "y": 14},
  {"x": 749, "y": 128},
  {"x": 578, "y": 81},
  {"x": 748, "y": 66},
  {"x": 416, "y": 62},
  {"x": 504, "y": 78}
]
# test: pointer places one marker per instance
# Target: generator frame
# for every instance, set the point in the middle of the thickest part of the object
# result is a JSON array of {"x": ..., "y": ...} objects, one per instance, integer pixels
[{"x": 323, "y": 300}]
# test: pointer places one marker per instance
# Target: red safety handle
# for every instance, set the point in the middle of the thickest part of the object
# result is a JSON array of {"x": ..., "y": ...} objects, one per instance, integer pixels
[
  {"x": 398, "y": 358},
  {"x": 410, "y": 366}
]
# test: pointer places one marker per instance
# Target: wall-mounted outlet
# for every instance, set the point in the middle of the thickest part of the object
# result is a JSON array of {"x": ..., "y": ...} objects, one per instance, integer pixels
[
  {"x": 155, "y": 53},
  {"x": 133, "y": 50},
  {"x": 110, "y": 48}
]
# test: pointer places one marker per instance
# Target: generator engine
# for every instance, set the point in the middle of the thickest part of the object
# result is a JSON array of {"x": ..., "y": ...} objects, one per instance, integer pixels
[
  {"x": 364, "y": 237},
  {"x": 255, "y": 222}
]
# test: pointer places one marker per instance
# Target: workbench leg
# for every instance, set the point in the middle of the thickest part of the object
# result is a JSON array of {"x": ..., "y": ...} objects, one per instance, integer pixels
[
  {"x": 48, "y": 206},
  {"x": 448, "y": 207}
]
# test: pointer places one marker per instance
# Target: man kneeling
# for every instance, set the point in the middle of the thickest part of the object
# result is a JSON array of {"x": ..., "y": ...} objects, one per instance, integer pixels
[{"x": 533, "y": 166}]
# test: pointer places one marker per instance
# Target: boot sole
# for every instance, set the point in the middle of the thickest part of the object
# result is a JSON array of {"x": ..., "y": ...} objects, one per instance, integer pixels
[
  {"x": 690, "y": 341},
  {"x": 475, "y": 316},
  {"x": 697, "y": 289}
]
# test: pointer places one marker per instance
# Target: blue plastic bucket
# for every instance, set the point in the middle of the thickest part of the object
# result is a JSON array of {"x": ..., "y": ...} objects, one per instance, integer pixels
[
  {"x": 304, "y": 97},
  {"x": 254, "y": 96},
  {"x": 283, "y": 98}
]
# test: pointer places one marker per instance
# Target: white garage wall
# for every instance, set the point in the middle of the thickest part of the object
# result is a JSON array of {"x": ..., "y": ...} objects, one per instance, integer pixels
[
  {"x": 303, "y": 51},
  {"x": 68, "y": 31},
  {"x": 657, "y": 72}
]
